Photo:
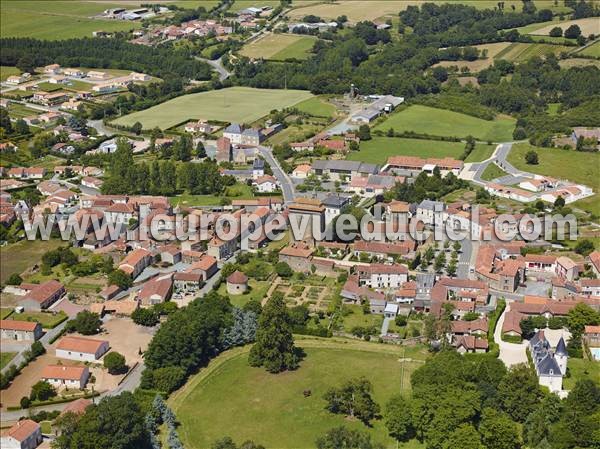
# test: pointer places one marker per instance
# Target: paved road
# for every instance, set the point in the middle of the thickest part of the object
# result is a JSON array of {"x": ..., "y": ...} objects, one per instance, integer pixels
[
  {"x": 217, "y": 66},
  {"x": 287, "y": 186},
  {"x": 464, "y": 258}
]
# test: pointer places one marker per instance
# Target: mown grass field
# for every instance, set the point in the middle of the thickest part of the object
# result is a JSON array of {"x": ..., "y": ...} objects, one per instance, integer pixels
[
  {"x": 29, "y": 253},
  {"x": 593, "y": 50},
  {"x": 519, "y": 52},
  {"x": 57, "y": 19},
  {"x": 491, "y": 172},
  {"x": 6, "y": 71},
  {"x": 234, "y": 104},
  {"x": 279, "y": 46},
  {"x": 379, "y": 149},
  {"x": 441, "y": 122},
  {"x": 235, "y": 192},
  {"x": 272, "y": 410},
  {"x": 563, "y": 164},
  {"x": 316, "y": 106}
]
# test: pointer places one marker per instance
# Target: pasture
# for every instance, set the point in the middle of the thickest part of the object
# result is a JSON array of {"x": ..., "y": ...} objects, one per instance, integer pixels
[
  {"x": 234, "y": 104},
  {"x": 582, "y": 62},
  {"x": 53, "y": 20},
  {"x": 589, "y": 25},
  {"x": 441, "y": 122},
  {"x": 573, "y": 165},
  {"x": 593, "y": 50},
  {"x": 272, "y": 409},
  {"x": 317, "y": 106},
  {"x": 30, "y": 253},
  {"x": 379, "y": 149},
  {"x": 279, "y": 46},
  {"x": 520, "y": 52}
]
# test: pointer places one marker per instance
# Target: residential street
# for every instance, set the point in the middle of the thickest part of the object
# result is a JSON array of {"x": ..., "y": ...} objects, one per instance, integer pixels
[{"x": 287, "y": 186}]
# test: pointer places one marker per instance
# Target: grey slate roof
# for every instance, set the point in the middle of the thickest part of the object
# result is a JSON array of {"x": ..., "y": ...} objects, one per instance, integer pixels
[
  {"x": 361, "y": 167},
  {"x": 234, "y": 128},
  {"x": 258, "y": 164},
  {"x": 335, "y": 201},
  {"x": 431, "y": 205},
  {"x": 548, "y": 366},
  {"x": 561, "y": 347}
]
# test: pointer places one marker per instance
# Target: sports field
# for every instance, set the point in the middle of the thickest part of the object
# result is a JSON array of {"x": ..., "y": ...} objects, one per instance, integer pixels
[
  {"x": 234, "y": 104},
  {"x": 379, "y": 149},
  {"x": 519, "y": 52},
  {"x": 441, "y": 122},
  {"x": 589, "y": 25},
  {"x": 577, "y": 166},
  {"x": 279, "y": 46},
  {"x": 248, "y": 403},
  {"x": 56, "y": 19}
]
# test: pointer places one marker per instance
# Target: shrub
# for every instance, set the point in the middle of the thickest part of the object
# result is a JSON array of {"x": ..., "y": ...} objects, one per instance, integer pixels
[
  {"x": 531, "y": 157},
  {"x": 42, "y": 391},
  {"x": 115, "y": 363}
]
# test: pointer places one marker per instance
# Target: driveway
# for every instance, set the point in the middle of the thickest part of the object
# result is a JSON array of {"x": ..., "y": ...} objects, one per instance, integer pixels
[{"x": 510, "y": 353}]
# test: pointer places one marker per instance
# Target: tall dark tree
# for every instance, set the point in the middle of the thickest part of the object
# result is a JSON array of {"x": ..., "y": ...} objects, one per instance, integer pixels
[{"x": 274, "y": 348}]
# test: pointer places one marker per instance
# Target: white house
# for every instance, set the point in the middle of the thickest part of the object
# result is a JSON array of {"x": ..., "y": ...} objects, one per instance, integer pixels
[
  {"x": 66, "y": 376},
  {"x": 430, "y": 212},
  {"x": 550, "y": 366},
  {"x": 266, "y": 184},
  {"x": 382, "y": 276},
  {"x": 81, "y": 349},
  {"x": 24, "y": 434}
]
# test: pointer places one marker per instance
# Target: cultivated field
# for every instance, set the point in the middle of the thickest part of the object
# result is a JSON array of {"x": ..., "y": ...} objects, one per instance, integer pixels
[
  {"x": 234, "y": 104},
  {"x": 279, "y": 46},
  {"x": 519, "y": 52},
  {"x": 56, "y": 19},
  {"x": 589, "y": 25},
  {"x": 378, "y": 149},
  {"x": 272, "y": 410},
  {"x": 357, "y": 10},
  {"x": 563, "y": 164},
  {"x": 441, "y": 122},
  {"x": 479, "y": 64}
]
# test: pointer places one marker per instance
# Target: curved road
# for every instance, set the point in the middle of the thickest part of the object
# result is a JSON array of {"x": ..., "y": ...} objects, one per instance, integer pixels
[{"x": 217, "y": 66}]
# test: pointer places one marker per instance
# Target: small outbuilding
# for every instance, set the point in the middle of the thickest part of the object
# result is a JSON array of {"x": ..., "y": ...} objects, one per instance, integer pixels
[{"x": 237, "y": 283}]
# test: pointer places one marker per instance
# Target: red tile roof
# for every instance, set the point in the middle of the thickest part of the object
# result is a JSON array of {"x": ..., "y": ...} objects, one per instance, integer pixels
[
  {"x": 15, "y": 325},
  {"x": 78, "y": 406},
  {"x": 237, "y": 277},
  {"x": 63, "y": 372},
  {"x": 80, "y": 344},
  {"x": 22, "y": 430}
]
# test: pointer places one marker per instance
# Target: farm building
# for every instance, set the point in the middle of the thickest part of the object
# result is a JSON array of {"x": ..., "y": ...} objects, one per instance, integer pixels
[
  {"x": 82, "y": 349},
  {"x": 20, "y": 330}
]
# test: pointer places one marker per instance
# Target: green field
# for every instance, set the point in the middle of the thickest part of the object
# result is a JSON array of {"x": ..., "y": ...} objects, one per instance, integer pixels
[
  {"x": 520, "y": 52},
  {"x": 235, "y": 192},
  {"x": 593, "y": 50},
  {"x": 234, "y": 104},
  {"x": 6, "y": 357},
  {"x": 6, "y": 71},
  {"x": 46, "y": 319},
  {"x": 379, "y": 149},
  {"x": 317, "y": 106},
  {"x": 563, "y": 164},
  {"x": 491, "y": 172},
  {"x": 441, "y": 122},
  {"x": 30, "y": 252},
  {"x": 279, "y": 46},
  {"x": 581, "y": 369},
  {"x": 258, "y": 290},
  {"x": 272, "y": 410},
  {"x": 56, "y": 19}
]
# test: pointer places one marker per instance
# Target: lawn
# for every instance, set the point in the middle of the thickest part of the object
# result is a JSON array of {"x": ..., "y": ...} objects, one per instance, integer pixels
[
  {"x": 237, "y": 191},
  {"x": 258, "y": 290},
  {"x": 441, "y": 122},
  {"x": 233, "y": 104},
  {"x": 491, "y": 172},
  {"x": 480, "y": 153},
  {"x": 56, "y": 19},
  {"x": 279, "y": 46},
  {"x": 593, "y": 50},
  {"x": 563, "y": 164},
  {"x": 317, "y": 107},
  {"x": 6, "y": 357},
  {"x": 6, "y": 71},
  {"x": 46, "y": 319},
  {"x": 272, "y": 410},
  {"x": 29, "y": 253},
  {"x": 590, "y": 204},
  {"x": 356, "y": 318},
  {"x": 581, "y": 369},
  {"x": 520, "y": 52}
]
